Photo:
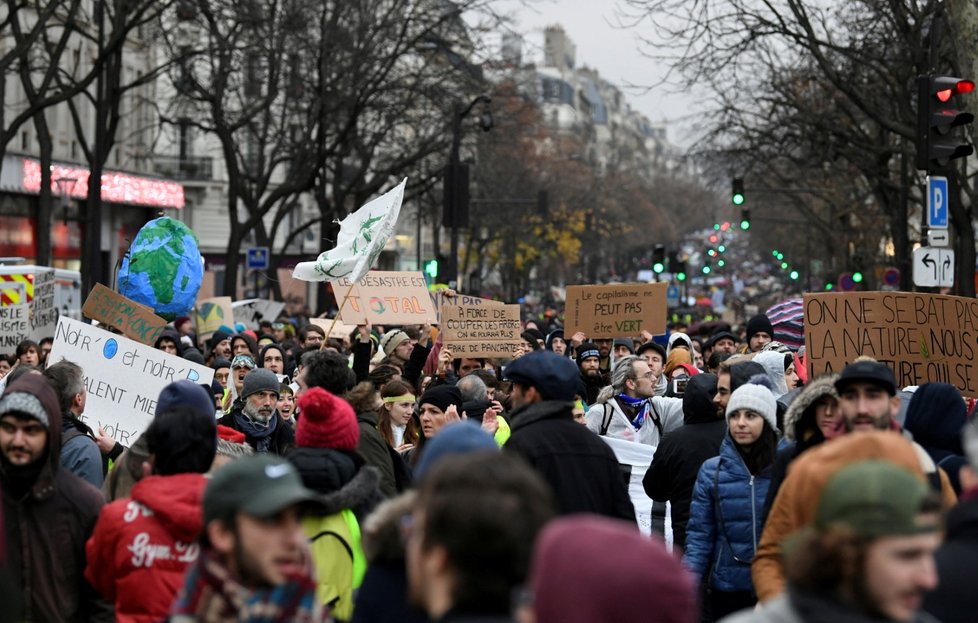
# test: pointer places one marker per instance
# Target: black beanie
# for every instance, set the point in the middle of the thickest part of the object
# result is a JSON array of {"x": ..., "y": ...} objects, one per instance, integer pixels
[
  {"x": 442, "y": 396},
  {"x": 757, "y": 324}
]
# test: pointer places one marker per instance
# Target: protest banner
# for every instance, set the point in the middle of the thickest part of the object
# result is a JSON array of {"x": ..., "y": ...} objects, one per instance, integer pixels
[
  {"x": 481, "y": 329},
  {"x": 923, "y": 338},
  {"x": 212, "y": 314},
  {"x": 44, "y": 312},
  {"x": 621, "y": 310},
  {"x": 136, "y": 321},
  {"x": 123, "y": 377},
  {"x": 441, "y": 299},
  {"x": 638, "y": 457},
  {"x": 250, "y": 312},
  {"x": 15, "y": 327},
  {"x": 338, "y": 330},
  {"x": 387, "y": 297}
]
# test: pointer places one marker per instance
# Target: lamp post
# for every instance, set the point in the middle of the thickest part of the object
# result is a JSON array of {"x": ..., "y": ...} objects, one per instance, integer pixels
[{"x": 457, "y": 181}]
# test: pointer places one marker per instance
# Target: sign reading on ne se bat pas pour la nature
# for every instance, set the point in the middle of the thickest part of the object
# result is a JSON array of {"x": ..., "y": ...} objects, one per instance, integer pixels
[{"x": 923, "y": 338}]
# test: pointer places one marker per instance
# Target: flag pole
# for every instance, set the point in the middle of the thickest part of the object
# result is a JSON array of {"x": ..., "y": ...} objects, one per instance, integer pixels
[{"x": 338, "y": 312}]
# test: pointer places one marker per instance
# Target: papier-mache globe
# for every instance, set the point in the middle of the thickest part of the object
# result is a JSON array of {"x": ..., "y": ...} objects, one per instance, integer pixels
[{"x": 163, "y": 268}]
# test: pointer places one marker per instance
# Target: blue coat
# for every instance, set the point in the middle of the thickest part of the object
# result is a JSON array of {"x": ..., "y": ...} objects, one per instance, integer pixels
[{"x": 725, "y": 520}]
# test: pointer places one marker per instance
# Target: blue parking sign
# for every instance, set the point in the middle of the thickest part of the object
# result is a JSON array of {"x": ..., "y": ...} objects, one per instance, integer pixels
[
  {"x": 257, "y": 258},
  {"x": 937, "y": 199}
]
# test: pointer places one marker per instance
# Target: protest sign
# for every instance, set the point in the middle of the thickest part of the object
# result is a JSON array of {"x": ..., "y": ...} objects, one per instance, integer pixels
[
  {"x": 251, "y": 312},
  {"x": 44, "y": 312},
  {"x": 123, "y": 377},
  {"x": 440, "y": 299},
  {"x": 212, "y": 314},
  {"x": 922, "y": 337},
  {"x": 338, "y": 330},
  {"x": 15, "y": 326},
  {"x": 386, "y": 297},
  {"x": 638, "y": 457},
  {"x": 481, "y": 329},
  {"x": 136, "y": 321},
  {"x": 621, "y": 310}
]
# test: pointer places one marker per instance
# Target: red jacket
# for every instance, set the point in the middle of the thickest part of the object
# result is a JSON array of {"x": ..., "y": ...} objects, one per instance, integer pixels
[{"x": 143, "y": 545}]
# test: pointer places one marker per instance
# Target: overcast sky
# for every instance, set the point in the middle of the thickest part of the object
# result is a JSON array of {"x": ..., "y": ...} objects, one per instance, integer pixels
[{"x": 613, "y": 51}]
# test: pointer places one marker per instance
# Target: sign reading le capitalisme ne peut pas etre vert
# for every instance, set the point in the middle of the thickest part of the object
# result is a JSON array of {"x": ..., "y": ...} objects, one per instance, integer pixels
[{"x": 621, "y": 310}]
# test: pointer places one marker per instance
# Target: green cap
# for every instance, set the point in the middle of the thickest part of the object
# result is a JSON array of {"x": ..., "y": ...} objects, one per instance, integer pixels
[
  {"x": 873, "y": 498},
  {"x": 259, "y": 486}
]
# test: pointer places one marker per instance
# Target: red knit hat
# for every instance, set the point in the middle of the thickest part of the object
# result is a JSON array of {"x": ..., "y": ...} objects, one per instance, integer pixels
[
  {"x": 326, "y": 421},
  {"x": 229, "y": 434}
]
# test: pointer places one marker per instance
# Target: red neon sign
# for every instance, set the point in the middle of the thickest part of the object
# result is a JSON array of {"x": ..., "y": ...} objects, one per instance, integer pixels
[{"x": 116, "y": 187}]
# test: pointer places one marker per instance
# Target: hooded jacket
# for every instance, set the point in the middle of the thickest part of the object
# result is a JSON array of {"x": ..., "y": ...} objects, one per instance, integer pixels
[
  {"x": 142, "y": 546},
  {"x": 935, "y": 417},
  {"x": 173, "y": 336},
  {"x": 773, "y": 363},
  {"x": 725, "y": 520},
  {"x": 678, "y": 458},
  {"x": 677, "y": 337},
  {"x": 581, "y": 468},
  {"x": 47, "y": 527}
]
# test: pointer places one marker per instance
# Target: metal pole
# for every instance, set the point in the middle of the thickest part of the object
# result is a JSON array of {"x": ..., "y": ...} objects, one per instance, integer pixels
[{"x": 453, "y": 163}]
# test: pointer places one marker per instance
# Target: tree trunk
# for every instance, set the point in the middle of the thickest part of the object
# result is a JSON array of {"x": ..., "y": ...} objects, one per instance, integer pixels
[{"x": 43, "y": 227}]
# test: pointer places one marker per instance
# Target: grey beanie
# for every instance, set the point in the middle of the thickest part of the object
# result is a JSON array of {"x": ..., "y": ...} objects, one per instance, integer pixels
[
  {"x": 756, "y": 398},
  {"x": 259, "y": 380}
]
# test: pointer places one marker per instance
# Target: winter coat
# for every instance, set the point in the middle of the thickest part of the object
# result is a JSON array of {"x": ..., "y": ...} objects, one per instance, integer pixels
[
  {"x": 935, "y": 417},
  {"x": 725, "y": 520},
  {"x": 350, "y": 490},
  {"x": 143, "y": 545},
  {"x": 795, "y": 504},
  {"x": 375, "y": 451},
  {"x": 955, "y": 600},
  {"x": 283, "y": 438},
  {"x": 79, "y": 452},
  {"x": 665, "y": 416},
  {"x": 47, "y": 527},
  {"x": 678, "y": 458},
  {"x": 582, "y": 469}
]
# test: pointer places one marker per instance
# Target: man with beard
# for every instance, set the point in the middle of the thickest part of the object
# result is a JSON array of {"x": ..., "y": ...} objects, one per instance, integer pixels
[
  {"x": 255, "y": 415},
  {"x": 589, "y": 364},
  {"x": 254, "y": 563}
]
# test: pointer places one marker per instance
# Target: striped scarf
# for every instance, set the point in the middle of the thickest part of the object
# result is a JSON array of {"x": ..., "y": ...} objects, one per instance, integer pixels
[{"x": 210, "y": 594}]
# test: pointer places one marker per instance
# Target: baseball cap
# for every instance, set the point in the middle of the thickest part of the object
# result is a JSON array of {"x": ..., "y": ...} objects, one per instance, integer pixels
[
  {"x": 720, "y": 335},
  {"x": 259, "y": 486},
  {"x": 874, "y": 499},
  {"x": 872, "y": 372}
]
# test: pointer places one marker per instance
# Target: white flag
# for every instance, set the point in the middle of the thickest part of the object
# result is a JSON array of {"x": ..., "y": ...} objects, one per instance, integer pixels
[{"x": 362, "y": 237}]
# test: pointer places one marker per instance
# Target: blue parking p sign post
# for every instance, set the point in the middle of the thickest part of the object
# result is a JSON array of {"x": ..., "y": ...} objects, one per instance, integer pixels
[
  {"x": 257, "y": 258},
  {"x": 937, "y": 202}
]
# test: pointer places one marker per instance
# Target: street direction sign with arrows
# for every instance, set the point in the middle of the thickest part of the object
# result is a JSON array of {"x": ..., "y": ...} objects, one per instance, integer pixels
[{"x": 933, "y": 267}]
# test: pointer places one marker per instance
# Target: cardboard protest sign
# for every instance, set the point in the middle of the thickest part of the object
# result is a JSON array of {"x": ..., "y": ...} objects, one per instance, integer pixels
[
  {"x": 621, "y": 310},
  {"x": 386, "y": 297},
  {"x": 44, "y": 311},
  {"x": 338, "y": 330},
  {"x": 212, "y": 314},
  {"x": 251, "y": 312},
  {"x": 123, "y": 377},
  {"x": 481, "y": 330},
  {"x": 136, "y": 321},
  {"x": 15, "y": 326},
  {"x": 922, "y": 337}
]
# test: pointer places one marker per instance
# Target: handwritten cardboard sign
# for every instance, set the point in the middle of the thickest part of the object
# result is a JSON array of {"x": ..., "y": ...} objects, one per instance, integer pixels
[
  {"x": 338, "y": 330},
  {"x": 136, "y": 321},
  {"x": 250, "y": 312},
  {"x": 15, "y": 326},
  {"x": 386, "y": 297},
  {"x": 921, "y": 337},
  {"x": 44, "y": 312},
  {"x": 123, "y": 377},
  {"x": 481, "y": 330},
  {"x": 441, "y": 299},
  {"x": 621, "y": 310},
  {"x": 212, "y": 314}
]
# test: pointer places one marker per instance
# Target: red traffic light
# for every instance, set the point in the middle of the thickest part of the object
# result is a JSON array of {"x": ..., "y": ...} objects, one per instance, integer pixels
[{"x": 946, "y": 87}]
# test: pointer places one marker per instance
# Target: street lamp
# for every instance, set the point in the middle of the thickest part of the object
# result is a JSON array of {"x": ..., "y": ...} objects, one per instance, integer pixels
[
  {"x": 456, "y": 212},
  {"x": 65, "y": 186}
]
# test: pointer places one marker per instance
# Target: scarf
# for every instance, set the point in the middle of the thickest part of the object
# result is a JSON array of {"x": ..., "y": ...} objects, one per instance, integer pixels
[
  {"x": 210, "y": 594},
  {"x": 261, "y": 433},
  {"x": 642, "y": 404}
]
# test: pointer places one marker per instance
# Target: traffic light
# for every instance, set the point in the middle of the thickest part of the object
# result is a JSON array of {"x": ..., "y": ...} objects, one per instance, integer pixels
[
  {"x": 857, "y": 277},
  {"x": 721, "y": 263},
  {"x": 793, "y": 275},
  {"x": 737, "y": 193},
  {"x": 679, "y": 270},
  {"x": 745, "y": 218},
  {"x": 431, "y": 269},
  {"x": 455, "y": 196},
  {"x": 706, "y": 270},
  {"x": 658, "y": 259},
  {"x": 938, "y": 113},
  {"x": 722, "y": 248}
]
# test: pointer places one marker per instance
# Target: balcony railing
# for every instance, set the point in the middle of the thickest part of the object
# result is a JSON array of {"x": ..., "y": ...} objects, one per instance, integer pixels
[{"x": 199, "y": 168}]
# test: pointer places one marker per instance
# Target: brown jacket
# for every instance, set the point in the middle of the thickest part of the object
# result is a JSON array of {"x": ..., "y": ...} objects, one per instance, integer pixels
[{"x": 795, "y": 504}]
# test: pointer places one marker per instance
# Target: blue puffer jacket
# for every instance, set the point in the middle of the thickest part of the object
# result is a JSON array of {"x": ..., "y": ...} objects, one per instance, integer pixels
[{"x": 721, "y": 538}]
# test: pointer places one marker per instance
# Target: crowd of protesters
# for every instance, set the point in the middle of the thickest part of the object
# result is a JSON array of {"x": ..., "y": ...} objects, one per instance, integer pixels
[{"x": 380, "y": 478}]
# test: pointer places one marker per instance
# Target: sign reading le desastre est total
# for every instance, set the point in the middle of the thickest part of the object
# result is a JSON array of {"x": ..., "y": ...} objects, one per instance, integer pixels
[
  {"x": 386, "y": 297},
  {"x": 923, "y": 338},
  {"x": 621, "y": 310}
]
